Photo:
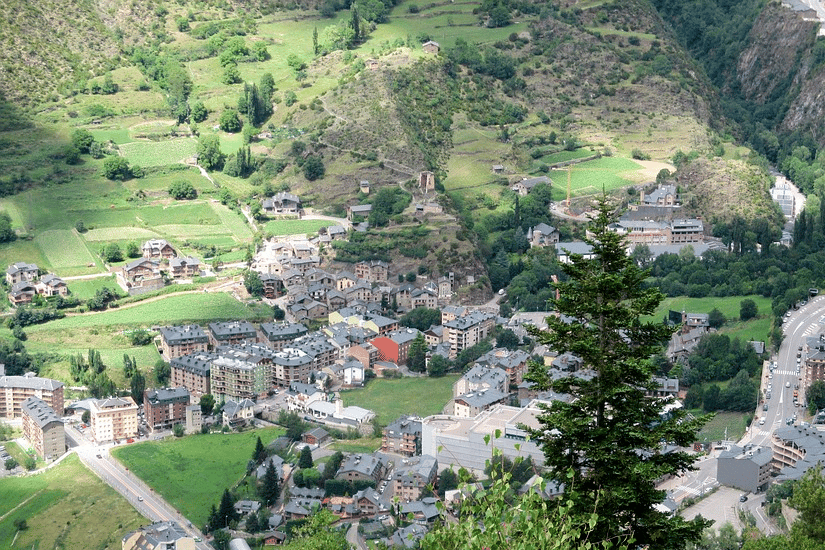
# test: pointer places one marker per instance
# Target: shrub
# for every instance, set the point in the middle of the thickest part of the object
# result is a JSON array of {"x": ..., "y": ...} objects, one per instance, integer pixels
[{"x": 182, "y": 190}]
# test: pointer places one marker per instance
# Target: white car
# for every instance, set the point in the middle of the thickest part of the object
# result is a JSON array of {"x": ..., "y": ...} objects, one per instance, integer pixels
[{"x": 787, "y": 384}]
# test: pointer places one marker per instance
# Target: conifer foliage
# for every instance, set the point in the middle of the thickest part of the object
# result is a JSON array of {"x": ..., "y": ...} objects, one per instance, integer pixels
[{"x": 611, "y": 434}]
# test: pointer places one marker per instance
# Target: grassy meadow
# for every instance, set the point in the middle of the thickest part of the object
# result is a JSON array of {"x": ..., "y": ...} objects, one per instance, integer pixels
[
  {"x": 392, "y": 398},
  {"x": 85, "y": 513},
  {"x": 191, "y": 473}
]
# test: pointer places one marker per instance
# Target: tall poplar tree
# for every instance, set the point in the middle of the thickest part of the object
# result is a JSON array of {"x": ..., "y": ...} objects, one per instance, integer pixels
[{"x": 611, "y": 433}]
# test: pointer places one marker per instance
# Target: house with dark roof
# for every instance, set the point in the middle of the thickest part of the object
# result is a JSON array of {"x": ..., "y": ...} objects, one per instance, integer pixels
[
  {"x": 472, "y": 404},
  {"x": 184, "y": 267},
  {"x": 140, "y": 276},
  {"x": 402, "y": 436},
  {"x": 22, "y": 293},
  {"x": 413, "y": 476},
  {"x": 542, "y": 235},
  {"x": 21, "y": 271},
  {"x": 237, "y": 413},
  {"x": 282, "y": 203},
  {"x": 51, "y": 285},
  {"x": 526, "y": 185},
  {"x": 278, "y": 335},
  {"x": 361, "y": 467},
  {"x": 358, "y": 210},
  {"x": 315, "y": 436},
  {"x": 162, "y": 535},
  {"x": 158, "y": 248}
]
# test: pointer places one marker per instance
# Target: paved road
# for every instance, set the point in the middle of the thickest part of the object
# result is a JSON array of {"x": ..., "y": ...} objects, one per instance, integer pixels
[{"x": 139, "y": 495}]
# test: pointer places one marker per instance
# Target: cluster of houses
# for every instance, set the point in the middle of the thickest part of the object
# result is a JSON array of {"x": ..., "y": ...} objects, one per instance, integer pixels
[
  {"x": 25, "y": 282},
  {"x": 159, "y": 262}
]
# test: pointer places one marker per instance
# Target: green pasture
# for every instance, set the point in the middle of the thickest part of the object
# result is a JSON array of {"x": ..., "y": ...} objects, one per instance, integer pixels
[
  {"x": 591, "y": 177},
  {"x": 755, "y": 329},
  {"x": 22, "y": 250},
  {"x": 106, "y": 234},
  {"x": 191, "y": 473},
  {"x": 65, "y": 507},
  {"x": 366, "y": 445},
  {"x": 562, "y": 156},
  {"x": 174, "y": 309},
  {"x": 389, "y": 399},
  {"x": 443, "y": 23},
  {"x": 233, "y": 221},
  {"x": 64, "y": 249},
  {"x": 295, "y": 227},
  {"x": 159, "y": 153},
  {"x": 115, "y": 134},
  {"x": 86, "y": 288}
]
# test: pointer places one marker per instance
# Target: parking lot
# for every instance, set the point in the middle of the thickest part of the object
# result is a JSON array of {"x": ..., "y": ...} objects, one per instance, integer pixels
[{"x": 721, "y": 506}]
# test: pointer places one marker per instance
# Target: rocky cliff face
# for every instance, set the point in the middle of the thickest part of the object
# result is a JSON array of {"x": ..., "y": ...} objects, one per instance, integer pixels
[
  {"x": 780, "y": 60},
  {"x": 778, "y": 43}
]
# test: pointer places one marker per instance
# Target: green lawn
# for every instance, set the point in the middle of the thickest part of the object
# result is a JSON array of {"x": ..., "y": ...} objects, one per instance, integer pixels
[
  {"x": 735, "y": 423},
  {"x": 191, "y": 473},
  {"x": 169, "y": 311},
  {"x": 729, "y": 305},
  {"x": 82, "y": 513},
  {"x": 389, "y": 399},
  {"x": 295, "y": 227}
]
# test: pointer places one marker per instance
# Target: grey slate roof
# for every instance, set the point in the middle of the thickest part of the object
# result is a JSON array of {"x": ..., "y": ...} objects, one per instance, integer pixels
[
  {"x": 29, "y": 381},
  {"x": 40, "y": 412},
  {"x": 184, "y": 333},
  {"x": 168, "y": 395}
]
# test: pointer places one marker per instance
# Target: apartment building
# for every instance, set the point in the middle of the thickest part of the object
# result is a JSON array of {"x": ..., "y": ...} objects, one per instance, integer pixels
[
  {"x": 113, "y": 418},
  {"x": 165, "y": 407},
  {"x": 182, "y": 340},
  {"x": 43, "y": 429},
  {"x": 192, "y": 372},
  {"x": 467, "y": 331},
  {"x": 16, "y": 389}
]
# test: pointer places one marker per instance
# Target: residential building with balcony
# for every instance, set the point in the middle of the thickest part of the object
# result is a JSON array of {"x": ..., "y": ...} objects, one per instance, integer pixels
[
  {"x": 402, "y": 436},
  {"x": 467, "y": 331},
  {"x": 182, "y": 340},
  {"x": 165, "y": 407},
  {"x": 43, "y": 429},
  {"x": 113, "y": 418},
  {"x": 192, "y": 372},
  {"x": 232, "y": 333},
  {"x": 14, "y": 390}
]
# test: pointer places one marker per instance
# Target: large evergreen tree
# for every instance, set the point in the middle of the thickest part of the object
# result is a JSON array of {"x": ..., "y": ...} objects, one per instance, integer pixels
[
  {"x": 260, "y": 451},
  {"x": 305, "y": 461},
  {"x": 226, "y": 510},
  {"x": 610, "y": 435},
  {"x": 417, "y": 354},
  {"x": 269, "y": 488}
]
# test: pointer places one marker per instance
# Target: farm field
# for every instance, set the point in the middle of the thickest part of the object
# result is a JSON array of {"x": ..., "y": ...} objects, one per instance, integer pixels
[
  {"x": 216, "y": 461},
  {"x": 85, "y": 513},
  {"x": 389, "y": 399},
  {"x": 591, "y": 177},
  {"x": 159, "y": 153}
]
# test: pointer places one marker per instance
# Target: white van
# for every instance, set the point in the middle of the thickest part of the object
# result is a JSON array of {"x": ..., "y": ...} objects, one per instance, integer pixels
[{"x": 762, "y": 421}]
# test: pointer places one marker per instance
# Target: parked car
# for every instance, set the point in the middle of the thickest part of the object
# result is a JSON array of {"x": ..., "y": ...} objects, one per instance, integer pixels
[{"x": 743, "y": 498}]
